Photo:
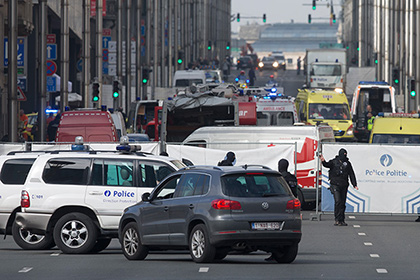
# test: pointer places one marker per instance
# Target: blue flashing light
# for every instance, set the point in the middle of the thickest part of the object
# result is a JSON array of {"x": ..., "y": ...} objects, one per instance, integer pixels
[
  {"x": 247, "y": 81},
  {"x": 380, "y": 114},
  {"x": 124, "y": 148},
  {"x": 336, "y": 60},
  {"x": 51, "y": 111},
  {"x": 316, "y": 60},
  {"x": 273, "y": 90},
  {"x": 78, "y": 147},
  {"x": 236, "y": 80},
  {"x": 379, "y": 83},
  {"x": 266, "y": 97}
]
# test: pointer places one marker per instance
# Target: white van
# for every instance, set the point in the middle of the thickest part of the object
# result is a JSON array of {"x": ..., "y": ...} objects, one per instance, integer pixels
[
  {"x": 306, "y": 137},
  {"x": 185, "y": 78}
]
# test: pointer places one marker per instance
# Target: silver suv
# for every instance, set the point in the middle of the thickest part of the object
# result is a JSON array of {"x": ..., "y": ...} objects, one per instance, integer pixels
[
  {"x": 212, "y": 211},
  {"x": 77, "y": 198}
]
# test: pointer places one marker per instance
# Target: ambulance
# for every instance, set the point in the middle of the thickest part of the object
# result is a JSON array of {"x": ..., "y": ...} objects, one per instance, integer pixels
[
  {"x": 307, "y": 138},
  {"x": 396, "y": 128},
  {"x": 330, "y": 107}
]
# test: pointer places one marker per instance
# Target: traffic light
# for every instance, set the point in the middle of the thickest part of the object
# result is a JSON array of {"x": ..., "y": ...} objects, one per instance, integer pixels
[
  {"x": 333, "y": 18},
  {"x": 375, "y": 57},
  {"x": 145, "y": 75},
  {"x": 95, "y": 92},
  {"x": 314, "y": 5},
  {"x": 395, "y": 76},
  {"x": 309, "y": 18},
  {"x": 412, "y": 87},
  {"x": 238, "y": 17},
  {"x": 180, "y": 57},
  {"x": 227, "y": 45},
  {"x": 209, "y": 46},
  {"x": 116, "y": 89},
  {"x": 264, "y": 18}
]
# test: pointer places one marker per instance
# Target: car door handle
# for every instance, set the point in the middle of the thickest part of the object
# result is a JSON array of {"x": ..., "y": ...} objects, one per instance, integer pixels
[
  {"x": 191, "y": 206},
  {"x": 95, "y": 193},
  {"x": 166, "y": 208}
]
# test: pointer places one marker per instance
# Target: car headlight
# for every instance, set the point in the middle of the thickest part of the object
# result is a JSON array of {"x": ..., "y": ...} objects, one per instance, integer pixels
[
  {"x": 261, "y": 64},
  {"x": 275, "y": 64}
]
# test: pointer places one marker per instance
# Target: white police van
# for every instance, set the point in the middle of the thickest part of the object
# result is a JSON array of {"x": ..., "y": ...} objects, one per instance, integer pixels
[{"x": 77, "y": 198}]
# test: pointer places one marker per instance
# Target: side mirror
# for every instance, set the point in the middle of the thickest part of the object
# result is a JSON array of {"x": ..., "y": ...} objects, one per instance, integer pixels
[{"x": 145, "y": 197}]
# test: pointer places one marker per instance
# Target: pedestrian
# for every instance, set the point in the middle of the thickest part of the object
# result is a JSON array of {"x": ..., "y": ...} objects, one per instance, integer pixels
[
  {"x": 340, "y": 172},
  {"x": 229, "y": 160},
  {"x": 298, "y": 65},
  {"x": 23, "y": 119},
  {"x": 252, "y": 77},
  {"x": 52, "y": 127},
  {"x": 290, "y": 178},
  {"x": 225, "y": 69}
]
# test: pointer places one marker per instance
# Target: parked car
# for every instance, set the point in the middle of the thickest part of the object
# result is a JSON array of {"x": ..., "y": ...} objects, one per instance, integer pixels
[
  {"x": 244, "y": 62},
  {"x": 214, "y": 210}
]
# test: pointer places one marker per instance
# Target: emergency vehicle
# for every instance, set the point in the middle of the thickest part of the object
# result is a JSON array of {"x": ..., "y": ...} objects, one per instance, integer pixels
[
  {"x": 330, "y": 107},
  {"x": 396, "y": 128},
  {"x": 379, "y": 95},
  {"x": 306, "y": 137}
]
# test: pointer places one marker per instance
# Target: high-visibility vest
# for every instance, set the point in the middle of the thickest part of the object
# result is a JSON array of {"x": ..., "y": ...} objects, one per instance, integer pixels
[{"x": 370, "y": 123}]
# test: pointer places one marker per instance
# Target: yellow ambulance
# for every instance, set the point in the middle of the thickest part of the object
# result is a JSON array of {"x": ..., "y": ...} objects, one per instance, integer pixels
[
  {"x": 316, "y": 106},
  {"x": 396, "y": 128}
]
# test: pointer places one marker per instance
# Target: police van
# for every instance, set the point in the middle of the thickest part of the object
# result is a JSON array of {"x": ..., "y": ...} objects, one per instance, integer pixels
[
  {"x": 396, "y": 128},
  {"x": 75, "y": 199},
  {"x": 331, "y": 107}
]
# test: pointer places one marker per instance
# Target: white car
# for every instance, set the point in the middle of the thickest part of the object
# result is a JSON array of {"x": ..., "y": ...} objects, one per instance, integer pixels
[{"x": 77, "y": 198}]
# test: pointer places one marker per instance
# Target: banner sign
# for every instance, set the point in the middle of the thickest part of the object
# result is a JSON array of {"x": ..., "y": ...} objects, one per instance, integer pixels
[{"x": 388, "y": 178}]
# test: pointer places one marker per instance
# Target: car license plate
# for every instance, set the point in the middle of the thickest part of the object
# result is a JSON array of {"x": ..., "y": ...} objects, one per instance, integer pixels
[{"x": 265, "y": 226}]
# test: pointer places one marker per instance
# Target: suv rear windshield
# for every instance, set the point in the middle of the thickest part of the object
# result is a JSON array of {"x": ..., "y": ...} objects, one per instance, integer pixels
[
  {"x": 254, "y": 185},
  {"x": 15, "y": 171}
]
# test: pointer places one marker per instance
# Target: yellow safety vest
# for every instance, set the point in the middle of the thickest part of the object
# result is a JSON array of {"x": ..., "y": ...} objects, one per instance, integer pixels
[{"x": 370, "y": 123}]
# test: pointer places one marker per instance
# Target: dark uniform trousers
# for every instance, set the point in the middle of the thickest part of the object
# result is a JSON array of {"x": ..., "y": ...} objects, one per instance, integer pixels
[{"x": 340, "y": 196}]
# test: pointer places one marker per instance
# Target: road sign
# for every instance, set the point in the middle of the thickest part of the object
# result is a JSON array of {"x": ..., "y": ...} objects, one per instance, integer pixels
[
  {"x": 79, "y": 65},
  {"x": 51, "y": 67},
  {"x": 105, "y": 53},
  {"x": 106, "y": 32},
  {"x": 51, "y": 84},
  {"x": 51, "y": 39},
  {"x": 105, "y": 65},
  {"x": 112, "y": 46},
  {"x": 20, "y": 95},
  {"x": 112, "y": 58},
  {"x": 51, "y": 51},
  {"x": 105, "y": 40},
  {"x": 22, "y": 82},
  {"x": 20, "y": 52}
]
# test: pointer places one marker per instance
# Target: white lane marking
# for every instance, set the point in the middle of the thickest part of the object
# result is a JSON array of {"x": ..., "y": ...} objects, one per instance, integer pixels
[
  {"x": 361, "y": 233},
  {"x": 203, "y": 269},
  {"x": 368, "y": 243},
  {"x": 55, "y": 254},
  {"x": 381, "y": 270},
  {"x": 352, "y": 217},
  {"x": 25, "y": 269},
  {"x": 357, "y": 226},
  {"x": 374, "y": 255}
]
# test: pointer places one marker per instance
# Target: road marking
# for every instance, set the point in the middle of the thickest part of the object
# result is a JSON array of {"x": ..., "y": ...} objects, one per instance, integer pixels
[
  {"x": 25, "y": 269},
  {"x": 352, "y": 217},
  {"x": 356, "y": 226},
  {"x": 203, "y": 269},
  {"x": 361, "y": 233},
  {"x": 368, "y": 243},
  {"x": 374, "y": 255},
  {"x": 55, "y": 254},
  {"x": 381, "y": 270}
]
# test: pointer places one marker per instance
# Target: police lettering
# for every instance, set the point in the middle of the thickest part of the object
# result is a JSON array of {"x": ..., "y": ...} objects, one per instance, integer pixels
[
  {"x": 387, "y": 173},
  {"x": 123, "y": 194}
]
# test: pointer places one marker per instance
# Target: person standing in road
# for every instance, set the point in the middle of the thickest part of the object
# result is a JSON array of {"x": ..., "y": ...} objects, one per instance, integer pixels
[
  {"x": 252, "y": 77},
  {"x": 298, "y": 65},
  {"x": 283, "y": 165},
  {"x": 229, "y": 160},
  {"x": 340, "y": 172}
]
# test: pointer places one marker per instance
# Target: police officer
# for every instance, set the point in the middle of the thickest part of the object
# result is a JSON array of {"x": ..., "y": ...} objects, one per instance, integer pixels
[
  {"x": 339, "y": 173},
  {"x": 229, "y": 160},
  {"x": 289, "y": 177}
]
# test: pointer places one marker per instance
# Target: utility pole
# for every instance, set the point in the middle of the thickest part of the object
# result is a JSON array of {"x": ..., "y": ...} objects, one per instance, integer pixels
[
  {"x": 139, "y": 86},
  {"x": 119, "y": 47},
  {"x": 128, "y": 58},
  {"x": 86, "y": 52},
  {"x": 99, "y": 29},
  {"x": 42, "y": 70},
  {"x": 64, "y": 84},
  {"x": 12, "y": 71}
]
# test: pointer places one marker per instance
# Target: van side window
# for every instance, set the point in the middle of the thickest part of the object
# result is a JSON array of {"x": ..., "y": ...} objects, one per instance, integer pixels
[
  {"x": 197, "y": 143},
  {"x": 66, "y": 171},
  {"x": 151, "y": 173},
  {"x": 15, "y": 171},
  {"x": 112, "y": 173}
]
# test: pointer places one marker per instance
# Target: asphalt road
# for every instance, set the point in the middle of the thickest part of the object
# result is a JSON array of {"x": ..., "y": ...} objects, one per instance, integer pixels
[{"x": 370, "y": 247}]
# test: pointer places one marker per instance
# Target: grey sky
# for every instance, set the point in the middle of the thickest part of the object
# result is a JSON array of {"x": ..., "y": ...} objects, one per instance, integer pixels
[{"x": 281, "y": 11}]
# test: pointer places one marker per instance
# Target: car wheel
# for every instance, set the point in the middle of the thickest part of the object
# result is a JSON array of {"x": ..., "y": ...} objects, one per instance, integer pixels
[
  {"x": 131, "y": 243},
  {"x": 200, "y": 248},
  {"x": 75, "y": 233},
  {"x": 286, "y": 254},
  {"x": 101, "y": 245},
  {"x": 27, "y": 240}
]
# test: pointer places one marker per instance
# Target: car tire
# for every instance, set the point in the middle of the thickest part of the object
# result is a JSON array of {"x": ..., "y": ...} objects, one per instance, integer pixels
[
  {"x": 200, "y": 248},
  {"x": 75, "y": 233},
  {"x": 131, "y": 243},
  {"x": 286, "y": 254},
  {"x": 101, "y": 245},
  {"x": 29, "y": 241}
]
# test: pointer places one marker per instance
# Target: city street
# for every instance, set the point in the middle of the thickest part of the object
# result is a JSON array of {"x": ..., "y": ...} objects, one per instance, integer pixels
[{"x": 370, "y": 247}]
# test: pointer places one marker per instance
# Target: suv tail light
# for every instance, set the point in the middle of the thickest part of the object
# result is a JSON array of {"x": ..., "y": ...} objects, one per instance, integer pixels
[
  {"x": 24, "y": 200},
  {"x": 226, "y": 204},
  {"x": 293, "y": 204}
]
